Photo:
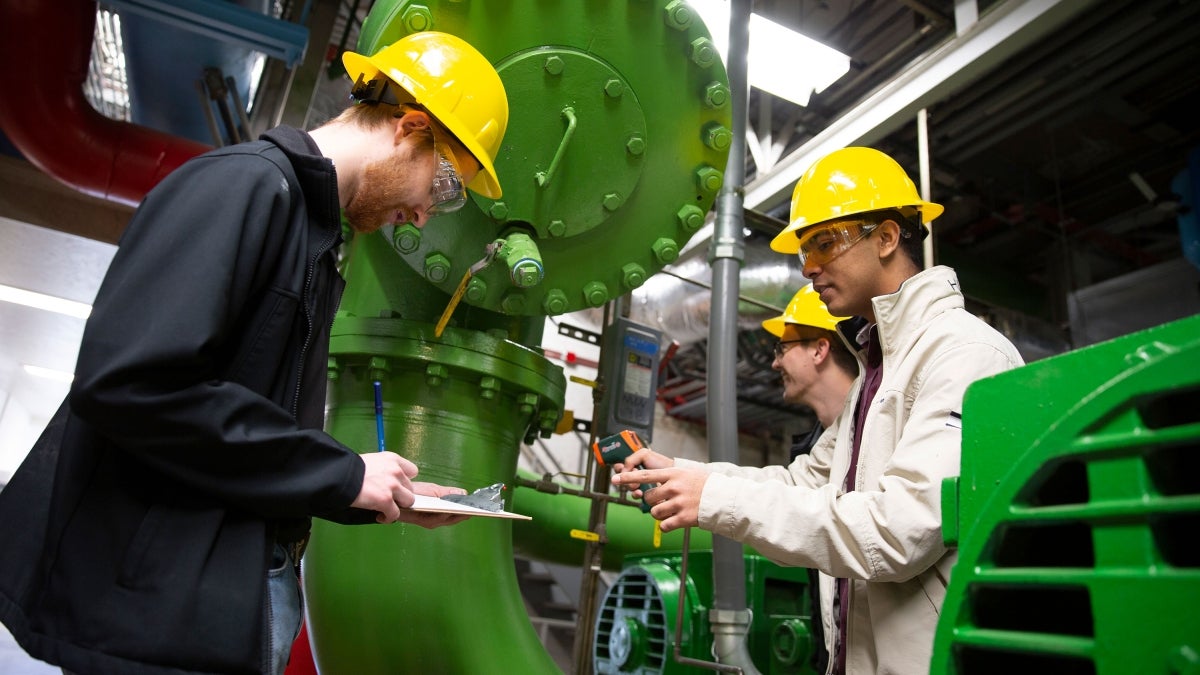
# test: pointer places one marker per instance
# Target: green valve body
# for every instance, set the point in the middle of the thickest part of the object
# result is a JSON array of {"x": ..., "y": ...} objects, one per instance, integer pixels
[
  {"x": 611, "y": 159},
  {"x": 399, "y": 598},
  {"x": 610, "y": 139}
]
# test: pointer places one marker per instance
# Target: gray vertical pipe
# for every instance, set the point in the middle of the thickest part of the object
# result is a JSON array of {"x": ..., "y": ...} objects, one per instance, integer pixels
[{"x": 729, "y": 617}]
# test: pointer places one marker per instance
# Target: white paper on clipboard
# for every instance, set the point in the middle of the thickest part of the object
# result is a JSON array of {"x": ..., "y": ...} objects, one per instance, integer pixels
[{"x": 439, "y": 505}]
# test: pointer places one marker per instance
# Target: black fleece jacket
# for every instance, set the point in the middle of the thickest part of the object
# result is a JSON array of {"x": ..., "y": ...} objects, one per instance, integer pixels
[{"x": 137, "y": 534}]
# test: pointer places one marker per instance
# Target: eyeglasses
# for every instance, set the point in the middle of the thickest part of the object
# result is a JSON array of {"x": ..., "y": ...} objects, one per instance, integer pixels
[
  {"x": 780, "y": 350},
  {"x": 448, "y": 192},
  {"x": 829, "y": 241}
]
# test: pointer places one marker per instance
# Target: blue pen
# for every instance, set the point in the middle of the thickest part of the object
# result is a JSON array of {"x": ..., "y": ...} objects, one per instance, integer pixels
[{"x": 379, "y": 414}]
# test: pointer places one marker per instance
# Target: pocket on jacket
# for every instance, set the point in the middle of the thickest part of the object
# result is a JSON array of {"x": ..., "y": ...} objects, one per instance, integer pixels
[
  {"x": 164, "y": 543},
  {"x": 257, "y": 361}
]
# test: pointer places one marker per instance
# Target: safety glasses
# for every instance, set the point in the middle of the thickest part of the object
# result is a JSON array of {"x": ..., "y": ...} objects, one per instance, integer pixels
[
  {"x": 780, "y": 349},
  {"x": 448, "y": 192},
  {"x": 826, "y": 242}
]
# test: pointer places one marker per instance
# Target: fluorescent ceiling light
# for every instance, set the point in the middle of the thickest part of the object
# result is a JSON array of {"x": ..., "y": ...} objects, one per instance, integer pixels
[
  {"x": 49, "y": 373},
  {"x": 780, "y": 61},
  {"x": 45, "y": 302}
]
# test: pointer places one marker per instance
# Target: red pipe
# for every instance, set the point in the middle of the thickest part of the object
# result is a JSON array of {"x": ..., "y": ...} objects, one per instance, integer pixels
[{"x": 43, "y": 112}]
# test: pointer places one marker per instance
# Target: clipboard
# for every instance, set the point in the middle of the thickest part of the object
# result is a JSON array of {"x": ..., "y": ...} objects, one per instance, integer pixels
[{"x": 439, "y": 505}]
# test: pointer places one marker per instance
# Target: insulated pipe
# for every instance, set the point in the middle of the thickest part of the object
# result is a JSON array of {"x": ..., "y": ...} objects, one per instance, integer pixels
[
  {"x": 679, "y": 308},
  {"x": 729, "y": 617},
  {"x": 46, "y": 116}
]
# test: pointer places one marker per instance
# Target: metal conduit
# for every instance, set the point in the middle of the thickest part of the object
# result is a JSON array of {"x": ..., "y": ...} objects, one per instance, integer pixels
[{"x": 729, "y": 617}]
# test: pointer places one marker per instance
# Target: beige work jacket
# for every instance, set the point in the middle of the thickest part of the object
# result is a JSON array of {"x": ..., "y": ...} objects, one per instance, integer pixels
[{"x": 885, "y": 536}]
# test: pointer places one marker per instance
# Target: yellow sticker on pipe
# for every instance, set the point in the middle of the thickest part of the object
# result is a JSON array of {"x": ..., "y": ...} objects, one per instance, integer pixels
[{"x": 585, "y": 535}]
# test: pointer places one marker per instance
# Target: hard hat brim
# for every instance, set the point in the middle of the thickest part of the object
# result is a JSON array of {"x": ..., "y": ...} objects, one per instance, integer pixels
[
  {"x": 788, "y": 241},
  {"x": 774, "y": 326}
]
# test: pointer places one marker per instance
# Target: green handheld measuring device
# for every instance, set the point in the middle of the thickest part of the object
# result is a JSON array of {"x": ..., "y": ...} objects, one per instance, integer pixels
[{"x": 614, "y": 449}]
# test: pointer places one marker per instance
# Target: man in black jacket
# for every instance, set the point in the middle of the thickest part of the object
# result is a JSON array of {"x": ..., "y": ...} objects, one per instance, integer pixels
[{"x": 155, "y": 526}]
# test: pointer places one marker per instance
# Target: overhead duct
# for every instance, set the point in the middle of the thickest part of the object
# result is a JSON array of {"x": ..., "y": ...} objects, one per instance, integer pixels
[
  {"x": 678, "y": 301},
  {"x": 46, "y": 116}
]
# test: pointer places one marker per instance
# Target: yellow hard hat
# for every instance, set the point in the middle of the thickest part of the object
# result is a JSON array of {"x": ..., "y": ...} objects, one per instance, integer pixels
[
  {"x": 805, "y": 309},
  {"x": 455, "y": 83},
  {"x": 846, "y": 182}
]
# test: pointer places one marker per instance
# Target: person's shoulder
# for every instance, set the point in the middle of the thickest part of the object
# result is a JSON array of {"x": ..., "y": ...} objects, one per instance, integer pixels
[
  {"x": 243, "y": 161},
  {"x": 247, "y": 151},
  {"x": 959, "y": 330}
]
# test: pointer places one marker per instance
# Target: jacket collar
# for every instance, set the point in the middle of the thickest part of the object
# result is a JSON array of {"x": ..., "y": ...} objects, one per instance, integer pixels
[
  {"x": 316, "y": 173},
  {"x": 919, "y": 299}
]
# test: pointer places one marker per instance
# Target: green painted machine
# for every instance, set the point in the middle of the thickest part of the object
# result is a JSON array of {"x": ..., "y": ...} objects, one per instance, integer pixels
[
  {"x": 617, "y": 139},
  {"x": 1076, "y": 514},
  {"x": 640, "y": 616}
]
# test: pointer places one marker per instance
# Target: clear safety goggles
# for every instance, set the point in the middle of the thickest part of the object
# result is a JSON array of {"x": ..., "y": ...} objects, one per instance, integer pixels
[
  {"x": 448, "y": 192},
  {"x": 826, "y": 242}
]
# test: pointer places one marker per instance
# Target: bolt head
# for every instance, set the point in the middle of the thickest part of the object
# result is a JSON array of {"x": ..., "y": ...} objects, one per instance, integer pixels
[
  {"x": 498, "y": 211},
  {"x": 633, "y": 275},
  {"x": 636, "y": 145},
  {"x": 665, "y": 250},
  {"x": 702, "y": 52},
  {"x": 708, "y": 179},
  {"x": 437, "y": 268},
  {"x": 595, "y": 293},
  {"x": 613, "y": 201},
  {"x": 406, "y": 238},
  {"x": 690, "y": 217},
  {"x": 476, "y": 290},
  {"x": 716, "y": 95},
  {"x": 555, "y": 302},
  {"x": 678, "y": 15},
  {"x": 417, "y": 18},
  {"x": 717, "y": 136}
]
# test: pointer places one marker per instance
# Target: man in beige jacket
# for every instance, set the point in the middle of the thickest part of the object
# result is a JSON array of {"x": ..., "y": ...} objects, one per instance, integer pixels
[
  {"x": 866, "y": 511},
  {"x": 817, "y": 370}
]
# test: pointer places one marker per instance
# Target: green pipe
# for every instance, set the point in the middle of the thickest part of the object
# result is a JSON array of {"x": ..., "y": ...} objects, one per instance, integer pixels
[
  {"x": 399, "y": 598},
  {"x": 548, "y": 536}
]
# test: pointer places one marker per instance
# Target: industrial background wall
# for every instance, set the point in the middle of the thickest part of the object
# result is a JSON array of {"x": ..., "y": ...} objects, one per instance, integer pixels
[{"x": 1060, "y": 135}]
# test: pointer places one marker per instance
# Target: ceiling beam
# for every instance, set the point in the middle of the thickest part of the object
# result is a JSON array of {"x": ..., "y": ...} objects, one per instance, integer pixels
[{"x": 1006, "y": 30}]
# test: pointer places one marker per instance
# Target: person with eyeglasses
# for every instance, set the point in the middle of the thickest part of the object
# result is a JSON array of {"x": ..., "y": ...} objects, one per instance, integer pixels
[
  {"x": 815, "y": 366},
  {"x": 156, "y": 525},
  {"x": 817, "y": 370},
  {"x": 873, "y": 529}
]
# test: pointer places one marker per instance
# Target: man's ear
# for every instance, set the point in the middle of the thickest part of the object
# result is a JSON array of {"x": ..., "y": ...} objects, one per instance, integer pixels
[
  {"x": 411, "y": 121},
  {"x": 823, "y": 350},
  {"x": 888, "y": 234}
]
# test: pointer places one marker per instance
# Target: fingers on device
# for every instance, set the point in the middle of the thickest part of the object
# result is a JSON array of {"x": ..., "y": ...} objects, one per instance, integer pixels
[{"x": 614, "y": 449}]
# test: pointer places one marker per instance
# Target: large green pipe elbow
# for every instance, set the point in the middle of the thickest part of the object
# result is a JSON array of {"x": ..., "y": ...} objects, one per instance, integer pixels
[{"x": 399, "y": 598}]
